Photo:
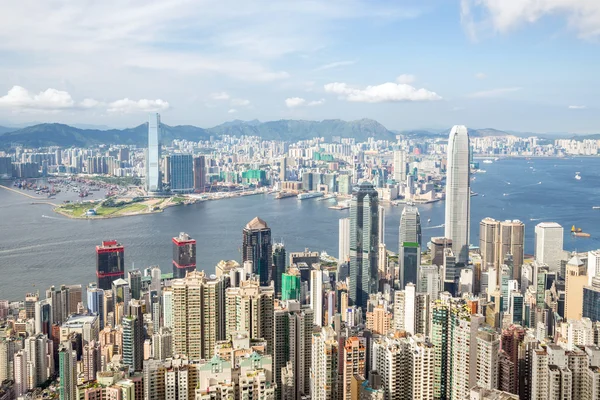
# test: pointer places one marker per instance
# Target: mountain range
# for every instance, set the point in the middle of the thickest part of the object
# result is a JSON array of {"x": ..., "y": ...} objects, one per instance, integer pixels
[{"x": 54, "y": 134}]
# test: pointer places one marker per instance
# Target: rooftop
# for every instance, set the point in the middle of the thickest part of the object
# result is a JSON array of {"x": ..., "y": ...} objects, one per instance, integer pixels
[{"x": 256, "y": 224}]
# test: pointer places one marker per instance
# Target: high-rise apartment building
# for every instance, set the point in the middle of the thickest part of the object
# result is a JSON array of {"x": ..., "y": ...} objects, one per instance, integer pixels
[
  {"x": 324, "y": 369},
  {"x": 575, "y": 280},
  {"x": 181, "y": 170},
  {"x": 279, "y": 266},
  {"x": 497, "y": 240},
  {"x": 199, "y": 174},
  {"x": 110, "y": 263},
  {"x": 364, "y": 244},
  {"x": 92, "y": 361},
  {"x": 249, "y": 308},
  {"x": 153, "y": 178},
  {"x": 549, "y": 244},
  {"x": 316, "y": 295},
  {"x": 95, "y": 302},
  {"x": 354, "y": 362},
  {"x": 195, "y": 315},
  {"x": 67, "y": 371},
  {"x": 463, "y": 352},
  {"x": 257, "y": 248},
  {"x": 409, "y": 248},
  {"x": 488, "y": 346},
  {"x": 184, "y": 255},
  {"x": 458, "y": 192}
]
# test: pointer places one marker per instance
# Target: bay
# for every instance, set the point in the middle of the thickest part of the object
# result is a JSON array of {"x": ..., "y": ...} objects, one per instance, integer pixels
[{"x": 39, "y": 248}]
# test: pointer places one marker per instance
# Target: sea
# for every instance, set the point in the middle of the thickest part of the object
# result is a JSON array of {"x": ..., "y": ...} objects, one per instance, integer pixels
[{"x": 39, "y": 248}]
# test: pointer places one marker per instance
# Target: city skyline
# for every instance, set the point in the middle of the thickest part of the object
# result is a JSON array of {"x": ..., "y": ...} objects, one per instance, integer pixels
[{"x": 215, "y": 64}]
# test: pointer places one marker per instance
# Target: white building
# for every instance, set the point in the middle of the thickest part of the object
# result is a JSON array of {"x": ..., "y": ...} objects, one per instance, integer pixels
[
  {"x": 344, "y": 240},
  {"x": 549, "y": 244}
]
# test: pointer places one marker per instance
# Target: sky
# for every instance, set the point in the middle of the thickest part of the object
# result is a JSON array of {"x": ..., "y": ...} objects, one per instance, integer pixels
[{"x": 522, "y": 65}]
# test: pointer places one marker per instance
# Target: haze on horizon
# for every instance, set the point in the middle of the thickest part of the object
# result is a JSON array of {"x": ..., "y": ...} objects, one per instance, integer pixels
[{"x": 523, "y": 65}]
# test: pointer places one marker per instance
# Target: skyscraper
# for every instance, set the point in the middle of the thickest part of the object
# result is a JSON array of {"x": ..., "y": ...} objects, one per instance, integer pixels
[
  {"x": 67, "y": 371},
  {"x": 184, "y": 255},
  {"x": 400, "y": 166},
  {"x": 316, "y": 296},
  {"x": 458, "y": 192},
  {"x": 344, "y": 240},
  {"x": 279, "y": 259},
  {"x": 181, "y": 170},
  {"x": 95, "y": 303},
  {"x": 497, "y": 239},
  {"x": 110, "y": 263},
  {"x": 409, "y": 253},
  {"x": 549, "y": 244},
  {"x": 199, "y": 174},
  {"x": 324, "y": 369},
  {"x": 364, "y": 244},
  {"x": 153, "y": 179},
  {"x": 257, "y": 248},
  {"x": 135, "y": 283}
]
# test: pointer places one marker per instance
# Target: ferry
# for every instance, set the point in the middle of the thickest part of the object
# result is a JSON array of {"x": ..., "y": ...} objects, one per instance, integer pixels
[
  {"x": 596, "y": 208},
  {"x": 309, "y": 195},
  {"x": 488, "y": 162},
  {"x": 284, "y": 195}
]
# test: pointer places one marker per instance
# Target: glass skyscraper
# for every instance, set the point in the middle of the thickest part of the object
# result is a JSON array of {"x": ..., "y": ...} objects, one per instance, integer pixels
[
  {"x": 364, "y": 244},
  {"x": 257, "y": 248},
  {"x": 458, "y": 192},
  {"x": 153, "y": 179},
  {"x": 181, "y": 170},
  {"x": 409, "y": 253}
]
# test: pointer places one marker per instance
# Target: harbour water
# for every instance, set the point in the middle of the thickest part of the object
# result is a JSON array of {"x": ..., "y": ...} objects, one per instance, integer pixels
[{"x": 39, "y": 248}]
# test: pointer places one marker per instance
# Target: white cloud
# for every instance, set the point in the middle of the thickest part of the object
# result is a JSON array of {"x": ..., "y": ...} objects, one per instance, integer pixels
[
  {"x": 240, "y": 102},
  {"x": 406, "y": 79},
  {"x": 480, "y": 75},
  {"x": 577, "y": 107},
  {"x": 316, "y": 103},
  {"x": 232, "y": 111},
  {"x": 386, "y": 92},
  {"x": 294, "y": 102},
  {"x": 503, "y": 15},
  {"x": 50, "y": 99},
  {"x": 336, "y": 64},
  {"x": 127, "y": 106},
  {"x": 220, "y": 96},
  {"x": 90, "y": 103},
  {"x": 494, "y": 92}
]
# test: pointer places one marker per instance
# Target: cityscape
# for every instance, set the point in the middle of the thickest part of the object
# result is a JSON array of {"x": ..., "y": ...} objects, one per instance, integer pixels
[
  {"x": 437, "y": 319},
  {"x": 300, "y": 200}
]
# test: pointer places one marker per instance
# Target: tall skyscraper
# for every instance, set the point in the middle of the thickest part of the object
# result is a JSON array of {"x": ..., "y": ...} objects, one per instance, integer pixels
[
  {"x": 153, "y": 179},
  {"x": 184, "y": 255},
  {"x": 458, "y": 192},
  {"x": 279, "y": 260},
  {"x": 409, "y": 253},
  {"x": 67, "y": 371},
  {"x": 549, "y": 244},
  {"x": 354, "y": 364},
  {"x": 364, "y": 244},
  {"x": 95, "y": 303},
  {"x": 133, "y": 337},
  {"x": 497, "y": 239},
  {"x": 110, "y": 263},
  {"x": 257, "y": 248},
  {"x": 181, "y": 170},
  {"x": 400, "y": 166},
  {"x": 134, "y": 277},
  {"x": 324, "y": 370},
  {"x": 316, "y": 296},
  {"x": 344, "y": 240},
  {"x": 199, "y": 174}
]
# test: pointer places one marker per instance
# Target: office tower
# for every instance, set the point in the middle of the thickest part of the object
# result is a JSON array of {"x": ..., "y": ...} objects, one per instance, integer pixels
[
  {"x": 92, "y": 361},
  {"x": 438, "y": 247},
  {"x": 400, "y": 168},
  {"x": 195, "y": 315},
  {"x": 549, "y": 244},
  {"x": 133, "y": 336},
  {"x": 354, "y": 364},
  {"x": 135, "y": 283},
  {"x": 409, "y": 249},
  {"x": 344, "y": 240},
  {"x": 153, "y": 178},
  {"x": 488, "y": 345},
  {"x": 316, "y": 295},
  {"x": 64, "y": 301},
  {"x": 21, "y": 373},
  {"x": 488, "y": 242},
  {"x": 95, "y": 302},
  {"x": 249, "y": 308},
  {"x": 279, "y": 260},
  {"x": 184, "y": 255},
  {"x": 43, "y": 317},
  {"x": 199, "y": 174},
  {"x": 292, "y": 340},
  {"x": 283, "y": 164},
  {"x": 181, "y": 169},
  {"x": 364, "y": 244},
  {"x": 499, "y": 239},
  {"x": 458, "y": 193},
  {"x": 67, "y": 371},
  {"x": 120, "y": 299},
  {"x": 575, "y": 280},
  {"x": 30, "y": 300},
  {"x": 256, "y": 247},
  {"x": 110, "y": 263},
  {"x": 463, "y": 353},
  {"x": 324, "y": 369}
]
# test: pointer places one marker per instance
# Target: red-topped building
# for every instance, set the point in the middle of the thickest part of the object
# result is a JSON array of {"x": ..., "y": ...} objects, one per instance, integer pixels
[
  {"x": 184, "y": 255},
  {"x": 110, "y": 263}
]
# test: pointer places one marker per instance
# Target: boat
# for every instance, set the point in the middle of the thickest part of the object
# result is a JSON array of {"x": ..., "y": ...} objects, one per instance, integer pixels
[
  {"x": 309, "y": 195},
  {"x": 284, "y": 195},
  {"x": 596, "y": 208},
  {"x": 577, "y": 232},
  {"x": 474, "y": 194},
  {"x": 488, "y": 162},
  {"x": 428, "y": 220},
  {"x": 577, "y": 176}
]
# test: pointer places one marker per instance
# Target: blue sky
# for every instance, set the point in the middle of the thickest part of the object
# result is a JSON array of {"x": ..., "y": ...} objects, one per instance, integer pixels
[{"x": 527, "y": 65}]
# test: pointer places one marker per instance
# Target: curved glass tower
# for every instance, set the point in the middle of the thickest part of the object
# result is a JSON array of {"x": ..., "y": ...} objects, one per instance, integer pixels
[
  {"x": 409, "y": 251},
  {"x": 458, "y": 192}
]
